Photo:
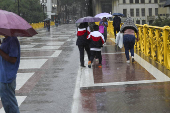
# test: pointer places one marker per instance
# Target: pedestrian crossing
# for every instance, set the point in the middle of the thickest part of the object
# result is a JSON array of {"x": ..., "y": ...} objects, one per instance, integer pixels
[{"x": 33, "y": 62}]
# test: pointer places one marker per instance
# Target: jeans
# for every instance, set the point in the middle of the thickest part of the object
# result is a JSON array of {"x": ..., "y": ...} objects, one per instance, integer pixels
[
  {"x": 7, "y": 94},
  {"x": 129, "y": 42}
]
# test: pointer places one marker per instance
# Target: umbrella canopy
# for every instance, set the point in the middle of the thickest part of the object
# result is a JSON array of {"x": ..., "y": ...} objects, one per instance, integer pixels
[
  {"x": 13, "y": 25},
  {"x": 47, "y": 19},
  {"x": 88, "y": 19},
  {"x": 167, "y": 3},
  {"x": 101, "y": 15},
  {"x": 118, "y": 14}
]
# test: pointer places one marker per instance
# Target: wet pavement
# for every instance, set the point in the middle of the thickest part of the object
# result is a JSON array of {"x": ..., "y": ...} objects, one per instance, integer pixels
[{"x": 50, "y": 79}]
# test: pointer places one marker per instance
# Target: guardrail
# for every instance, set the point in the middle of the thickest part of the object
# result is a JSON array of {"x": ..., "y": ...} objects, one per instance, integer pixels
[
  {"x": 154, "y": 42},
  {"x": 40, "y": 25}
]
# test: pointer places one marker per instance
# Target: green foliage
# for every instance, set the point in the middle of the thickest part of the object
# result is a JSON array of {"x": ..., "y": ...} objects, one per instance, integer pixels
[
  {"x": 30, "y": 10},
  {"x": 161, "y": 22}
]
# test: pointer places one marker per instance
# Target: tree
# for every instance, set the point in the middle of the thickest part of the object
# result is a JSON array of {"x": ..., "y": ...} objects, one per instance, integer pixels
[{"x": 30, "y": 10}]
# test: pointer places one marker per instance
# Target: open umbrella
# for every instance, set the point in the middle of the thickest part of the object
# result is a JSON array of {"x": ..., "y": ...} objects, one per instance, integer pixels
[
  {"x": 118, "y": 14},
  {"x": 47, "y": 19},
  {"x": 88, "y": 19},
  {"x": 13, "y": 25},
  {"x": 167, "y": 3},
  {"x": 101, "y": 15}
]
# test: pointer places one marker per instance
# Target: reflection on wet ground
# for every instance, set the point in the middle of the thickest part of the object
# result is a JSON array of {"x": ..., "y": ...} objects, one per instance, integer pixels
[{"x": 125, "y": 88}]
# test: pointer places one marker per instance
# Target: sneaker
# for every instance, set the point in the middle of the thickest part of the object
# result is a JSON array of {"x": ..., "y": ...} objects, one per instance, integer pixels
[
  {"x": 89, "y": 64},
  {"x": 128, "y": 61},
  {"x": 100, "y": 66},
  {"x": 133, "y": 60}
]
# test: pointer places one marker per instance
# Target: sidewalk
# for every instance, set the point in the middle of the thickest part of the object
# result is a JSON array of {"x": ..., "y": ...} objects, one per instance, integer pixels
[{"x": 119, "y": 87}]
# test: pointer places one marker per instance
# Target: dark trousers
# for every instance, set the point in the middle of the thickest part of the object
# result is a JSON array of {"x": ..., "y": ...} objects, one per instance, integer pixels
[
  {"x": 129, "y": 42},
  {"x": 96, "y": 54},
  {"x": 116, "y": 29},
  {"x": 81, "y": 50}
]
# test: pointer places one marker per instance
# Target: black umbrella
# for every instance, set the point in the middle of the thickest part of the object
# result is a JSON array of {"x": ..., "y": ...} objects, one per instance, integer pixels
[
  {"x": 167, "y": 3},
  {"x": 47, "y": 19}
]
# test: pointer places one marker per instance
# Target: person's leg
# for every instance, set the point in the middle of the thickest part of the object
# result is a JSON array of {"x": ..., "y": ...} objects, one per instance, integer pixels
[
  {"x": 132, "y": 43},
  {"x": 81, "y": 51},
  {"x": 8, "y": 98},
  {"x": 98, "y": 54},
  {"x": 126, "y": 45},
  {"x": 105, "y": 34},
  {"x": 87, "y": 48},
  {"x": 92, "y": 55},
  {"x": 115, "y": 32}
]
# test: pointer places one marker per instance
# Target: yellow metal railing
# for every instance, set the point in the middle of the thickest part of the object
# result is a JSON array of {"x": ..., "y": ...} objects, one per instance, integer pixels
[
  {"x": 40, "y": 25},
  {"x": 154, "y": 42}
]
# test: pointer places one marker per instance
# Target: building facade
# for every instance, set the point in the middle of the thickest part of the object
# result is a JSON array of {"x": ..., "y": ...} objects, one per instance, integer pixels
[
  {"x": 50, "y": 8},
  {"x": 142, "y": 11}
]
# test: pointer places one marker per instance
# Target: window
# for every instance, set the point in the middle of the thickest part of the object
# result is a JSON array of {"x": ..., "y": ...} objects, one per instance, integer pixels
[
  {"x": 132, "y": 12},
  {"x": 149, "y": 1},
  {"x": 163, "y": 14},
  {"x": 160, "y": 14},
  {"x": 131, "y": 1},
  {"x": 156, "y": 11},
  {"x": 136, "y": 1},
  {"x": 143, "y": 11},
  {"x": 137, "y": 12},
  {"x": 137, "y": 21},
  {"x": 150, "y": 11},
  {"x": 125, "y": 12},
  {"x": 124, "y": 1},
  {"x": 155, "y": 1},
  {"x": 142, "y": 1},
  {"x": 143, "y": 22}
]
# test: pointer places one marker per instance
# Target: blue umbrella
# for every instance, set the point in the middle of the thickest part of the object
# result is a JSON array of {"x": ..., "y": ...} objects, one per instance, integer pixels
[
  {"x": 88, "y": 19},
  {"x": 118, "y": 14}
]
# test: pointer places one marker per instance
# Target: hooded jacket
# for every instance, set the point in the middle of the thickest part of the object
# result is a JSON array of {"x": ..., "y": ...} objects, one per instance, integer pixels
[
  {"x": 96, "y": 39},
  {"x": 82, "y": 34},
  {"x": 129, "y": 24}
]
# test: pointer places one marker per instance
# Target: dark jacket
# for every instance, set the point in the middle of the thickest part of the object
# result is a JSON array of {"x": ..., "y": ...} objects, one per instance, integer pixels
[
  {"x": 96, "y": 39},
  {"x": 116, "y": 22},
  {"x": 82, "y": 34}
]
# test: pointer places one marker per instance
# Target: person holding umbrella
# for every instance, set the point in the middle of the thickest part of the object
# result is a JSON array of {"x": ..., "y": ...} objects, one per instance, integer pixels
[
  {"x": 105, "y": 24},
  {"x": 83, "y": 31},
  {"x": 11, "y": 26},
  {"x": 116, "y": 24},
  {"x": 9, "y": 64}
]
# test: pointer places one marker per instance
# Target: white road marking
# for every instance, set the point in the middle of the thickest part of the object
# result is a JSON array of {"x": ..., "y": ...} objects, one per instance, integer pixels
[
  {"x": 21, "y": 79},
  {"x": 31, "y": 63}
]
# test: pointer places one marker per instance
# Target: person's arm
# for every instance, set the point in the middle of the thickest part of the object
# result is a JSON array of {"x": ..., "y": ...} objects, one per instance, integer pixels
[
  {"x": 7, "y": 57},
  {"x": 105, "y": 24}
]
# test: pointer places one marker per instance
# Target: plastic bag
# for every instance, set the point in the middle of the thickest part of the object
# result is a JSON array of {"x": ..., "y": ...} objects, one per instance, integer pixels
[
  {"x": 101, "y": 29},
  {"x": 119, "y": 39}
]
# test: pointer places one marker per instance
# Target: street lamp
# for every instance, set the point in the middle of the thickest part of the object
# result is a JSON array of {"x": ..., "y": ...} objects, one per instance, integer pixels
[{"x": 43, "y": 5}]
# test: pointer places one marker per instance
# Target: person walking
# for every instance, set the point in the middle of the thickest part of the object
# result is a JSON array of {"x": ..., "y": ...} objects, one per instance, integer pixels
[
  {"x": 96, "y": 42},
  {"x": 129, "y": 29},
  {"x": 9, "y": 64},
  {"x": 105, "y": 24},
  {"x": 116, "y": 24},
  {"x": 82, "y": 32}
]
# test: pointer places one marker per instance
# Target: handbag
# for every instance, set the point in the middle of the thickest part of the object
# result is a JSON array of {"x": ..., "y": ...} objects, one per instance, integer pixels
[
  {"x": 119, "y": 39},
  {"x": 101, "y": 29}
]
